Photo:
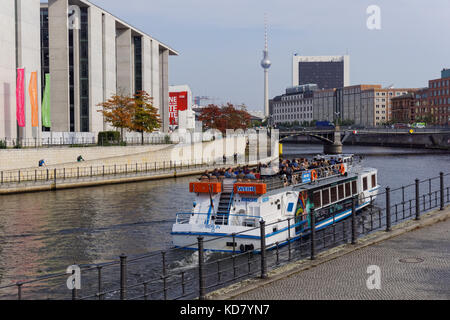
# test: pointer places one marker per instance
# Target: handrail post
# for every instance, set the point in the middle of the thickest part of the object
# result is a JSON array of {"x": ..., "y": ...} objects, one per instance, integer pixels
[
  {"x": 19, "y": 291},
  {"x": 388, "y": 209},
  {"x": 441, "y": 189},
  {"x": 262, "y": 226},
  {"x": 123, "y": 277},
  {"x": 417, "y": 200},
  {"x": 164, "y": 274},
  {"x": 353, "y": 220},
  {"x": 312, "y": 220},
  {"x": 200, "y": 269}
]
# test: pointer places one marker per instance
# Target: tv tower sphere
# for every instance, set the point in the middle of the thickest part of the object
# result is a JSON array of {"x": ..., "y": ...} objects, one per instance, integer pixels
[{"x": 265, "y": 63}]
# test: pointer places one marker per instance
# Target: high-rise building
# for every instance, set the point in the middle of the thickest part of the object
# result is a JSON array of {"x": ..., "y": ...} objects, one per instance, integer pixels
[{"x": 327, "y": 72}]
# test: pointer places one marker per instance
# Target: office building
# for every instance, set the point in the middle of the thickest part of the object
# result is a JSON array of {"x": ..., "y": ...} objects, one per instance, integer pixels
[
  {"x": 366, "y": 105},
  {"x": 327, "y": 72},
  {"x": 90, "y": 56},
  {"x": 20, "y": 43},
  {"x": 295, "y": 106},
  {"x": 94, "y": 56}
]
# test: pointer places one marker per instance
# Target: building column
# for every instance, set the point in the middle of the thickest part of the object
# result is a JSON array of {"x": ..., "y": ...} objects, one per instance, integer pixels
[
  {"x": 59, "y": 65},
  {"x": 124, "y": 62},
  {"x": 164, "y": 88}
]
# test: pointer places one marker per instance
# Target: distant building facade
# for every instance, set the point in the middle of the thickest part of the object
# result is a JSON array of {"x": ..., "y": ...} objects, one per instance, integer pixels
[
  {"x": 296, "y": 105},
  {"x": 403, "y": 108},
  {"x": 366, "y": 105},
  {"x": 327, "y": 72}
]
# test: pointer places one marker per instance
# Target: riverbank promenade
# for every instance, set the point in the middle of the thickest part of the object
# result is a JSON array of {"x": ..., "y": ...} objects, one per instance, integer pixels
[{"x": 412, "y": 265}]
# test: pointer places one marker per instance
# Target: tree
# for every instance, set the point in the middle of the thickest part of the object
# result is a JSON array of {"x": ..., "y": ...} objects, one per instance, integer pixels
[
  {"x": 145, "y": 116},
  {"x": 118, "y": 111},
  {"x": 225, "y": 117}
]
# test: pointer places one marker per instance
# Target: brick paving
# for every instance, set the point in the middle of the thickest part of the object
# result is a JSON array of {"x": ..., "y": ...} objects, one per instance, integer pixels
[{"x": 414, "y": 265}]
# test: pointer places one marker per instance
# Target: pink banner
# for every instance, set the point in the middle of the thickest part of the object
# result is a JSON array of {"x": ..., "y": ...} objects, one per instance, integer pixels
[{"x": 20, "y": 97}]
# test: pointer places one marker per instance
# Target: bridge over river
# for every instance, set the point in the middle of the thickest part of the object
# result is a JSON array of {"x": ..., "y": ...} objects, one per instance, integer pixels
[{"x": 334, "y": 139}]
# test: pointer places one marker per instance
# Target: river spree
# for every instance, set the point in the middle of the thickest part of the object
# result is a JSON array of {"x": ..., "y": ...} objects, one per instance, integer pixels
[{"x": 45, "y": 232}]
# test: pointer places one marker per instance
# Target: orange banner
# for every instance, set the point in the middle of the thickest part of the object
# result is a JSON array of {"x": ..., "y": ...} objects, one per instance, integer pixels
[{"x": 32, "y": 90}]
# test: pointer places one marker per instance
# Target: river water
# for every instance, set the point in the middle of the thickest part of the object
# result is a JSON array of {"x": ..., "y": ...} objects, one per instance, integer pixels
[{"x": 45, "y": 232}]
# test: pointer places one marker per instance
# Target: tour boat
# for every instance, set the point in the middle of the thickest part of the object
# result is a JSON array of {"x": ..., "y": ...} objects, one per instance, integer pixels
[{"x": 227, "y": 212}]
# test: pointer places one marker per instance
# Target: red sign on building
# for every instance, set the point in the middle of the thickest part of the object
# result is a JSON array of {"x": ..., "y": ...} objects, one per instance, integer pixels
[{"x": 178, "y": 101}]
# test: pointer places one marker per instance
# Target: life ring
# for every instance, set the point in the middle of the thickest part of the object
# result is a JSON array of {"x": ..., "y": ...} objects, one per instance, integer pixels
[
  {"x": 313, "y": 175},
  {"x": 342, "y": 169}
]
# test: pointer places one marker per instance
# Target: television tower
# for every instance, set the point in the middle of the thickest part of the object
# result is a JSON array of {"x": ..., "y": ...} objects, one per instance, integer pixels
[{"x": 265, "y": 64}]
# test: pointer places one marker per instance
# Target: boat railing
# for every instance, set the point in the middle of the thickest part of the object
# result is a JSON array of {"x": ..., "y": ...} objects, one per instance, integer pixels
[
  {"x": 307, "y": 176},
  {"x": 234, "y": 219}
]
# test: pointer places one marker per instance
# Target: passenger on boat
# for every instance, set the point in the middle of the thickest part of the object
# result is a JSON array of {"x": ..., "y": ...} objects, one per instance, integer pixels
[
  {"x": 250, "y": 175},
  {"x": 229, "y": 174},
  {"x": 205, "y": 175}
]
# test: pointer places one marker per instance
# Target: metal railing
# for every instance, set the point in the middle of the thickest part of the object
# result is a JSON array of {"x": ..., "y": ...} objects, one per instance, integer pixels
[
  {"x": 81, "y": 172},
  {"x": 180, "y": 274},
  {"x": 80, "y": 142}
]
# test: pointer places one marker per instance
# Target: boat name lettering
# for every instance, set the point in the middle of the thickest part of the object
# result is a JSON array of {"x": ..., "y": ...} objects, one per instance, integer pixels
[{"x": 246, "y": 189}]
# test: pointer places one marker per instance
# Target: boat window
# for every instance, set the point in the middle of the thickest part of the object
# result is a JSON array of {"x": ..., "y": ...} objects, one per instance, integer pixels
[
  {"x": 365, "y": 187},
  {"x": 341, "y": 191},
  {"x": 354, "y": 188},
  {"x": 374, "y": 181},
  {"x": 348, "y": 192},
  {"x": 325, "y": 197},
  {"x": 317, "y": 200},
  {"x": 333, "y": 192}
]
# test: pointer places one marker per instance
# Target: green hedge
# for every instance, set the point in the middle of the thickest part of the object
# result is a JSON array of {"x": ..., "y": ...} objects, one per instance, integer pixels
[{"x": 106, "y": 138}]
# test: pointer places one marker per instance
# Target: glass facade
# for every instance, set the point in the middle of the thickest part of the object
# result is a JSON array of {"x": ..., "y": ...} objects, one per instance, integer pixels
[
  {"x": 327, "y": 75},
  {"x": 138, "y": 63},
  {"x": 45, "y": 60},
  {"x": 84, "y": 71}
]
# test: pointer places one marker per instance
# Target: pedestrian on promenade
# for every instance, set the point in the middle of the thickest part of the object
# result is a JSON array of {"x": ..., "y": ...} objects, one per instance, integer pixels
[
  {"x": 80, "y": 158},
  {"x": 42, "y": 163}
]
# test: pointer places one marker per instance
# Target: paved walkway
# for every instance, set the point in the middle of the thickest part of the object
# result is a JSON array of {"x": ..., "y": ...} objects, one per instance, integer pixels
[{"x": 414, "y": 265}]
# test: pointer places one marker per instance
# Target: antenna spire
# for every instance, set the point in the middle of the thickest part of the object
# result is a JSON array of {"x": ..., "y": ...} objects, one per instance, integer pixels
[{"x": 266, "y": 47}]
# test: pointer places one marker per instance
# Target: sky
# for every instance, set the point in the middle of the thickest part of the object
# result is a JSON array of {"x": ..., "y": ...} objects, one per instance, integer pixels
[{"x": 220, "y": 43}]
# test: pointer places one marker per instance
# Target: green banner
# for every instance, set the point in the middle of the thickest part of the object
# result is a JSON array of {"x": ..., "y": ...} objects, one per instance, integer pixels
[{"x": 46, "y": 103}]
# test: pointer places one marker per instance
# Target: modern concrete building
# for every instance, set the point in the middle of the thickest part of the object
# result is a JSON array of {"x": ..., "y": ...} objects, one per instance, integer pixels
[
  {"x": 327, "y": 72},
  {"x": 20, "y": 48},
  {"x": 296, "y": 105},
  {"x": 93, "y": 55},
  {"x": 90, "y": 56}
]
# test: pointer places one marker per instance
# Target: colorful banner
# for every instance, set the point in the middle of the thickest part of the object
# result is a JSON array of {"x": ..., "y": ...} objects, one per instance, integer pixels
[
  {"x": 45, "y": 109},
  {"x": 32, "y": 90},
  {"x": 178, "y": 101},
  {"x": 20, "y": 97}
]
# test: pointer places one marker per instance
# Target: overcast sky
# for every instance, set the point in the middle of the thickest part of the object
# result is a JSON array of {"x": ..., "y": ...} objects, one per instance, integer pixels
[{"x": 221, "y": 42}]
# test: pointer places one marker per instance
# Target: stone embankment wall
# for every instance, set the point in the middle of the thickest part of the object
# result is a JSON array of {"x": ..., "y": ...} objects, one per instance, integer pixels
[{"x": 56, "y": 157}]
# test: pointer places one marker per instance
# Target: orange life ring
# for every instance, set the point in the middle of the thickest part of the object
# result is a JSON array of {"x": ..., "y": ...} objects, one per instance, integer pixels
[
  {"x": 313, "y": 175},
  {"x": 342, "y": 168}
]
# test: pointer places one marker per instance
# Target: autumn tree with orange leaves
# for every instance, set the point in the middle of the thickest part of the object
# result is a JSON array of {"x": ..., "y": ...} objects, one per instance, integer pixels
[
  {"x": 135, "y": 113},
  {"x": 118, "y": 112},
  {"x": 145, "y": 116},
  {"x": 225, "y": 117}
]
